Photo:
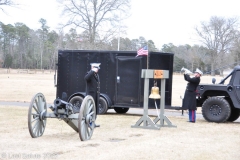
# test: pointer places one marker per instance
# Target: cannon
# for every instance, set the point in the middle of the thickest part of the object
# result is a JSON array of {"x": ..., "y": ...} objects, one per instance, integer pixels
[{"x": 81, "y": 120}]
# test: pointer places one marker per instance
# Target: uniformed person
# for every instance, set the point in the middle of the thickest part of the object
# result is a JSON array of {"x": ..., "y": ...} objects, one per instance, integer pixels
[
  {"x": 189, "y": 101},
  {"x": 93, "y": 84}
]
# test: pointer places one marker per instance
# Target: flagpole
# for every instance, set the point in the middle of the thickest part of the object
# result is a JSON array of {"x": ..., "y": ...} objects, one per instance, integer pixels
[{"x": 147, "y": 55}]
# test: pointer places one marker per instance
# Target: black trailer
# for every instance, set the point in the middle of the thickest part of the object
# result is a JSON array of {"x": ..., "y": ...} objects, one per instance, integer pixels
[{"x": 121, "y": 84}]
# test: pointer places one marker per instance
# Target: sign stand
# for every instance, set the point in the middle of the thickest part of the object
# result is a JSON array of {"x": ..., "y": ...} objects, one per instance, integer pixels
[{"x": 145, "y": 119}]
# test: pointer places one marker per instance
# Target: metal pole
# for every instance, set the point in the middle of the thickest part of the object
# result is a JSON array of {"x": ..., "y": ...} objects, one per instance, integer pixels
[
  {"x": 162, "y": 103},
  {"x": 162, "y": 107},
  {"x": 145, "y": 100}
]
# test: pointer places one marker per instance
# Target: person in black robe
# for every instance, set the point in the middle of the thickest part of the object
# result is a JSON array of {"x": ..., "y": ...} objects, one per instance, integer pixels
[
  {"x": 189, "y": 100},
  {"x": 93, "y": 85}
]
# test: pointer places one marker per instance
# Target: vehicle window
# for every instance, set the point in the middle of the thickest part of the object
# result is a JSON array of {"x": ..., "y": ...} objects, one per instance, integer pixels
[
  {"x": 237, "y": 79},
  {"x": 227, "y": 81}
]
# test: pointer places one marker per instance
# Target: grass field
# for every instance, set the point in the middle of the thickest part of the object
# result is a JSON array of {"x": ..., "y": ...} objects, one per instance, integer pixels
[{"x": 115, "y": 139}]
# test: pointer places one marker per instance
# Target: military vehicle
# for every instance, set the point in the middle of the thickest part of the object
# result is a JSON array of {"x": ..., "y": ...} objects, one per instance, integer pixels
[{"x": 220, "y": 102}]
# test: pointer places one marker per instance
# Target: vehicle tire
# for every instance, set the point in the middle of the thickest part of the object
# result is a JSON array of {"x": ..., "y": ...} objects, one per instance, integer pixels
[
  {"x": 76, "y": 101},
  {"x": 121, "y": 110},
  {"x": 234, "y": 114},
  {"x": 216, "y": 109},
  {"x": 103, "y": 106}
]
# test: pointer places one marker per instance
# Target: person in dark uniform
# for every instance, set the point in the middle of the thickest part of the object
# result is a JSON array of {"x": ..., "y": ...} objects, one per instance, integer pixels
[
  {"x": 189, "y": 100},
  {"x": 93, "y": 85}
]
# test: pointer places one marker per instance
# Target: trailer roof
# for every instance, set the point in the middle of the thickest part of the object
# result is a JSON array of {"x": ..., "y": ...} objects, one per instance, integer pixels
[{"x": 107, "y": 51}]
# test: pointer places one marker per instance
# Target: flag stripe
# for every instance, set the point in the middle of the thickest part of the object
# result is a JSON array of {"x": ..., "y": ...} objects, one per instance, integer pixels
[{"x": 143, "y": 51}]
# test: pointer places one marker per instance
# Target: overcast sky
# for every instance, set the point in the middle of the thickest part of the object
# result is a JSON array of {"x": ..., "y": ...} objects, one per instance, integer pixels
[{"x": 163, "y": 21}]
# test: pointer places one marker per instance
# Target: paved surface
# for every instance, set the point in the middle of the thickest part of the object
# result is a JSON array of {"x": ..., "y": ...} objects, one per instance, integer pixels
[
  {"x": 153, "y": 112},
  {"x": 132, "y": 111},
  {"x": 21, "y": 104}
]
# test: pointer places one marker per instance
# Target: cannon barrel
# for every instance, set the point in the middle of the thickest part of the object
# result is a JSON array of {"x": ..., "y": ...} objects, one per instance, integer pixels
[
  {"x": 62, "y": 107},
  {"x": 58, "y": 102}
]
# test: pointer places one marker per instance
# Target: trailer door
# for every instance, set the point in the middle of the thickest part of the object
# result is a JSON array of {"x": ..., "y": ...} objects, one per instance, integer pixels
[
  {"x": 128, "y": 81},
  {"x": 236, "y": 85}
]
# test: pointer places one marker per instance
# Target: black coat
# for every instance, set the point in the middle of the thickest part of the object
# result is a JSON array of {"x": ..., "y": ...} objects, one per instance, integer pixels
[
  {"x": 93, "y": 87},
  {"x": 189, "y": 100}
]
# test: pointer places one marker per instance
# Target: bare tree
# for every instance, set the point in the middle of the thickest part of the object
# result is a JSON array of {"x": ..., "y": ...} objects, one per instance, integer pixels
[
  {"x": 218, "y": 36},
  {"x": 43, "y": 36},
  {"x": 98, "y": 18},
  {"x": 236, "y": 49},
  {"x": 6, "y": 3}
]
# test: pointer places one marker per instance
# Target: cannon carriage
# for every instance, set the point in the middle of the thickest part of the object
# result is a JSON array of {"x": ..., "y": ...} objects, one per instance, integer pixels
[{"x": 81, "y": 120}]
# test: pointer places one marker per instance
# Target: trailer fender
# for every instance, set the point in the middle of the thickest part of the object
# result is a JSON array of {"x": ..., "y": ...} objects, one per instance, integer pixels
[
  {"x": 76, "y": 100},
  {"x": 106, "y": 97},
  {"x": 81, "y": 94}
]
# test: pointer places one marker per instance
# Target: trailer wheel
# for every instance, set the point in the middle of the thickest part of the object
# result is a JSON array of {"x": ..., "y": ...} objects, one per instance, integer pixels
[
  {"x": 234, "y": 114},
  {"x": 76, "y": 101},
  {"x": 121, "y": 109},
  {"x": 103, "y": 106},
  {"x": 216, "y": 109}
]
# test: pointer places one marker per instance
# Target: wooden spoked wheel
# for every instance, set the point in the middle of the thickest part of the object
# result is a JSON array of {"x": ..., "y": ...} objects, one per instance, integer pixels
[
  {"x": 36, "y": 115},
  {"x": 87, "y": 117}
]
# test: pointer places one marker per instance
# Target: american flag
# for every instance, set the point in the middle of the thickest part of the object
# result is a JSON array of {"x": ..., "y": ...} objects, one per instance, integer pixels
[{"x": 142, "y": 51}]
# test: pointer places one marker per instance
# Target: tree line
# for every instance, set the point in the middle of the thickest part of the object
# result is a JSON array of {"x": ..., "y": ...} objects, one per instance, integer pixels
[{"x": 25, "y": 48}]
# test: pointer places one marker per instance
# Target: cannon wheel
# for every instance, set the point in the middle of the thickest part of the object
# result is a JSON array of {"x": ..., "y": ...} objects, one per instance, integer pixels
[
  {"x": 36, "y": 115},
  {"x": 87, "y": 117}
]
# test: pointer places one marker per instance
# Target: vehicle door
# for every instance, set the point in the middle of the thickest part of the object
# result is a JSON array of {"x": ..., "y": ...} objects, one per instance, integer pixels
[{"x": 236, "y": 85}]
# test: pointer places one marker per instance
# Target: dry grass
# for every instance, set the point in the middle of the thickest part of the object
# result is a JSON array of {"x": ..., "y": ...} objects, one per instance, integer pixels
[
  {"x": 22, "y": 87},
  {"x": 115, "y": 139}
]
